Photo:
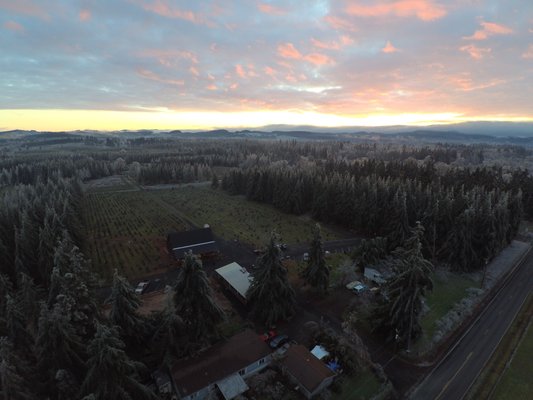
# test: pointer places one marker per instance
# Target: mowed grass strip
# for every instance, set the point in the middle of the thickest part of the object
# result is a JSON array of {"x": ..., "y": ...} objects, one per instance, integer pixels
[
  {"x": 125, "y": 231},
  {"x": 234, "y": 217},
  {"x": 516, "y": 382}
]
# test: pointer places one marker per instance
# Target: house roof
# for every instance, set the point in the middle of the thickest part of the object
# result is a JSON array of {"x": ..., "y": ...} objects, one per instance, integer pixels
[
  {"x": 218, "y": 362},
  {"x": 237, "y": 276},
  {"x": 197, "y": 240},
  {"x": 308, "y": 370},
  {"x": 232, "y": 386}
]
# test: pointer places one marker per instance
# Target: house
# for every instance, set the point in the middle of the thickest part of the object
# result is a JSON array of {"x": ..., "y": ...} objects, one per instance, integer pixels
[
  {"x": 374, "y": 275},
  {"x": 199, "y": 241},
  {"x": 305, "y": 370},
  {"x": 222, "y": 368},
  {"x": 236, "y": 279}
]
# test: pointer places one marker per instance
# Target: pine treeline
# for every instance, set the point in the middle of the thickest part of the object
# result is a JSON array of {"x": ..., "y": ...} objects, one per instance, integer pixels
[{"x": 470, "y": 216}]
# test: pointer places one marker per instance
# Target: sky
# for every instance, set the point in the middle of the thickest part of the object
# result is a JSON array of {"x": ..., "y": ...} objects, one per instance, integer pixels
[{"x": 163, "y": 64}]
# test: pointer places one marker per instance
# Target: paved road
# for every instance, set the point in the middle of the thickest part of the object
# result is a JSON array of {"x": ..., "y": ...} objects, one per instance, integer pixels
[{"x": 455, "y": 374}]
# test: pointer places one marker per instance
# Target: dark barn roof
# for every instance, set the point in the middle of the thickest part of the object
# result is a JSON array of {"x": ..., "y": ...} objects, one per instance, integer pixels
[
  {"x": 198, "y": 241},
  {"x": 218, "y": 362}
]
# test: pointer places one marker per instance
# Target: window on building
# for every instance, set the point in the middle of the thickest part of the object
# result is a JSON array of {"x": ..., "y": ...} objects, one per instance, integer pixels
[
  {"x": 242, "y": 372},
  {"x": 261, "y": 361}
]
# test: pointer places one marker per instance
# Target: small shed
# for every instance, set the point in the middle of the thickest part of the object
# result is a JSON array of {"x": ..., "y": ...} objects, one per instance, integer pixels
[{"x": 236, "y": 279}]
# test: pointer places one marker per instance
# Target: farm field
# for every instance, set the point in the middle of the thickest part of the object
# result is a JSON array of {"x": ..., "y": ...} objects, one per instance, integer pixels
[
  {"x": 234, "y": 217},
  {"x": 126, "y": 230}
]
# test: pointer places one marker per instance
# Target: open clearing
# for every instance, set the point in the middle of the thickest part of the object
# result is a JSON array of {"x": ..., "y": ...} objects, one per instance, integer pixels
[{"x": 234, "y": 217}]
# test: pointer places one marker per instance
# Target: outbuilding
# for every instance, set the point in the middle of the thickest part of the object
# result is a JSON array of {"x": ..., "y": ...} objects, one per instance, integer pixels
[
  {"x": 236, "y": 279},
  {"x": 199, "y": 241}
]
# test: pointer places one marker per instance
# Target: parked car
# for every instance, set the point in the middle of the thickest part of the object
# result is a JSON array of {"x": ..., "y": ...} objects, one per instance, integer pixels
[
  {"x": 258, "y": 251},
  {"x": 141, "y": 287},
  {"x": 278, "y": 341},
  {"x": 267, "y": 336},
  {"x": 352, "y": 284},
  {"x": 306, "y": 256}
]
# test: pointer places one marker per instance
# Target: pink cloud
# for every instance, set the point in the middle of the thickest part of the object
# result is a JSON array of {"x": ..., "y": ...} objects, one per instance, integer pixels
[
  {"x": 340, "y": 23},
  {"x": 389, "y": 48},
  {"x": 13, "y": 26},
  {"x": 163, "y": 8},
  {"x": 333, "y": 45},
  {"x": 240, "y": 71},
  {"x": 269, "y": 71},
  {"x": 426, "y": 10},
  {"x": 318, "y": 59},
  {"x": 193, "y": 70},
  {"x": 489, "y": 29},
  {"x": 270, "y": 9},
  {"x": 528, "y": 54},
  {"x": 154, "y": 77},
  {"x": 288, "y": 50},
  {"x": 211, "y": 87},
  {"x": 85, "y": 15},
  {"x": 25, "y": 7},
  {"x": 475, "y": 52}
]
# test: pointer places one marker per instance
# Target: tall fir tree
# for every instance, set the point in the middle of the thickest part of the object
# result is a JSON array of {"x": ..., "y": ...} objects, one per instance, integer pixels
[
  {"x": 317, "y": 272},
  {"x": 194, "y": 302},
  {"x": 124, "y": 305},
  {"x": 270, "y": 295},
  {"x": 399, "y": 315},
  {"x": 16, "y": 375},
  {"x": 111, "y": 374}
]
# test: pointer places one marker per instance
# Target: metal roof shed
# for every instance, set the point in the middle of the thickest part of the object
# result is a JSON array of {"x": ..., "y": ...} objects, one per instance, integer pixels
[{"x": 236, "y": 278}]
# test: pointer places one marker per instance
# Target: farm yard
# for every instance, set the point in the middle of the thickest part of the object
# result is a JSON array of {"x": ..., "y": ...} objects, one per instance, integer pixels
[
  {"x": 126, "y": 228},
  {"x": 235, "y": 218},
  {"x": 127, "y": 231}
]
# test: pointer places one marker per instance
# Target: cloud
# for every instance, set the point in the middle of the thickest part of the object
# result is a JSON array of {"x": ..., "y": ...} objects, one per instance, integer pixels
[
  {"x": 24, "y": 7},
  {"x": 528, "y": 54},
  {"x": 318, "y": 59},
  {"x": 340, "y": 23},
  {"x": 13, "y": 26},
  {"x": 270, "y": 9},
  {"x": 389, "y": 48},
  {"x": 343, "y": 41},
  {"x": 426, "y": 10},
  {"x": 154, "y": 77},
  {"x": 475, "y": 52},
  {"x": 164, "y": 9},
  {"x": 489, "y": 29},
  {"x": 85, "y": 15},
  {"x": 287, "y": 50},
  {"x": 240, "y": 71}
]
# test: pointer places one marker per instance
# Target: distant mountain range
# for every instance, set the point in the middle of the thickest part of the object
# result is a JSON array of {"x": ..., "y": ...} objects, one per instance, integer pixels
[{"x": 469, "y": 132}]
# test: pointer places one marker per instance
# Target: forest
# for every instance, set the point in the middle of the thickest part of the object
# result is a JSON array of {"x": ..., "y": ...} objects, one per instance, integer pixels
[{"x": 415, "y": 206}]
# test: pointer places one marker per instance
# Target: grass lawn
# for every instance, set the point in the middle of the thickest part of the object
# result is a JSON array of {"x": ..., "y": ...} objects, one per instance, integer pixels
[
  {"x": 362, "y": 386},
  {"x": 125, "y": 231},
  {"x": 516, "y": 382},
  {"x": 234, "y": 217},
  {"x": 448, "y": 289}
]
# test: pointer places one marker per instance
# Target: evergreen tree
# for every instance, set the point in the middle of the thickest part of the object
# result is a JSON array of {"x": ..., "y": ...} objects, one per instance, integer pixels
[
  {"x": 15, "y": 374},
  {"x": 400, "y": 314},
  {"x": 270, "y": 295},
  {"x": 317, "y": 272},
  {"x": 15, "y": 324},
  {"x": 111, "y": 374},
  {"x": 124, "y": 305},
  {"x": 57, "y": 344},
  {"x": 193, "y": 300},
  {"x": 214, "y": 181},
  {"x": 170, "y": 338}
]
